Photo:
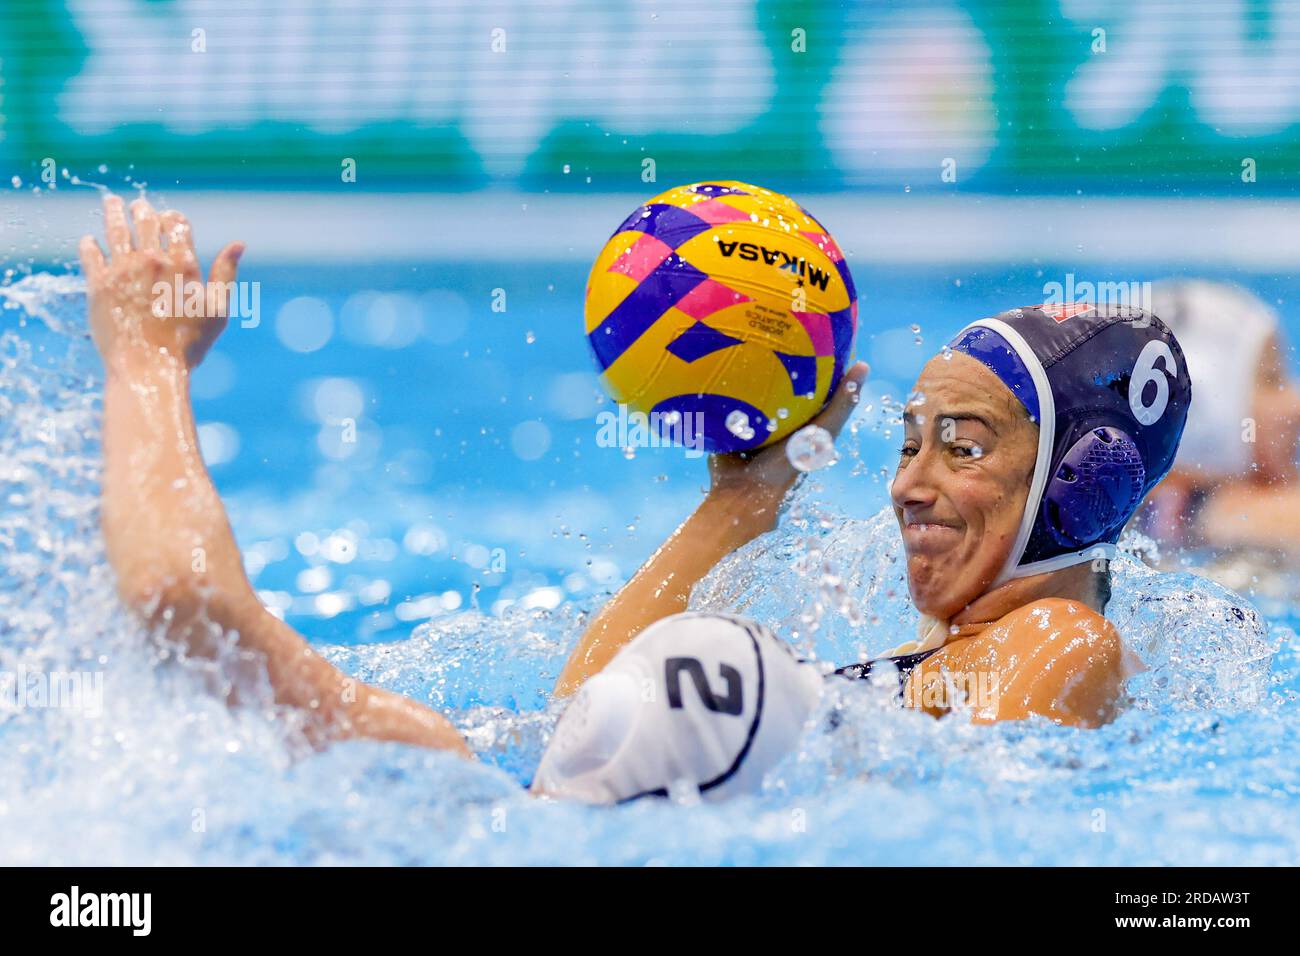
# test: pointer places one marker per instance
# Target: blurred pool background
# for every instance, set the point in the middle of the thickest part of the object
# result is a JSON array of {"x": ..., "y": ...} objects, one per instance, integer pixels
[{"x": 423, "y": 187}]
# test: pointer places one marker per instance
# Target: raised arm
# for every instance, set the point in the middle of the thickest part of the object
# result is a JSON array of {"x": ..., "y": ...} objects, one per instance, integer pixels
[
  {"x": 742, "y": 502},
  {"x": 165, "y": 530}
]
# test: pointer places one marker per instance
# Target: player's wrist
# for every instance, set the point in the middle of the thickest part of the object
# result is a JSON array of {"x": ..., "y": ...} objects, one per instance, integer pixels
[
  {"x": 744, "y": 510},
  {"x": 148, "y": 365}
]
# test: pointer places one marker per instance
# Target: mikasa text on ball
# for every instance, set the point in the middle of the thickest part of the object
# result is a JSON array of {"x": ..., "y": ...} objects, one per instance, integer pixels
[{"x": 724, "y": 310}]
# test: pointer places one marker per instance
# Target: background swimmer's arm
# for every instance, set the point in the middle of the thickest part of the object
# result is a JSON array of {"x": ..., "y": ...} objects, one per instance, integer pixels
[
  {"x": 744, "y": 495},
  {"x": 165, "y": 530},
  {"x": 1249, "y": 514}
]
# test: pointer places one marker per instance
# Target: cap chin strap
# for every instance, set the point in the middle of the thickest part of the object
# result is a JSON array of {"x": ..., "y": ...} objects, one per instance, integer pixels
[
  {"x": 1012, "y": 568},
  {"x": 1103, "y": 550}
]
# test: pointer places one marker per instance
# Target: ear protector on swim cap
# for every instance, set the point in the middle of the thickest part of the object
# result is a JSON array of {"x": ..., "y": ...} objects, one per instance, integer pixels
[
  {"x": 1109, "y": 390},
  {"x": 1095, "y": 488}
]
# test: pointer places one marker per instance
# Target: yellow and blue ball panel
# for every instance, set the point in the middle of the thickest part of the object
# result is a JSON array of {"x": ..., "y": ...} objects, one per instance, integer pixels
[{"x": 718, "y": 298}]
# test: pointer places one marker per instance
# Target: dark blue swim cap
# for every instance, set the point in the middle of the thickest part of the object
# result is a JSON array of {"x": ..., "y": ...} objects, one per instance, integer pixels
[{"x": 1108, "y": 388}]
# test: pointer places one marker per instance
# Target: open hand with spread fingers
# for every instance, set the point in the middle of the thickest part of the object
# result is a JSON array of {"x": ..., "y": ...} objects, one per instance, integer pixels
[{"x": 147, "y": 296}]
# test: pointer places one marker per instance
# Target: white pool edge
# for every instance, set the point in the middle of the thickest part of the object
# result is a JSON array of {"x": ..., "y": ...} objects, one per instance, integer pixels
[{"x": 1246, "y": 234}]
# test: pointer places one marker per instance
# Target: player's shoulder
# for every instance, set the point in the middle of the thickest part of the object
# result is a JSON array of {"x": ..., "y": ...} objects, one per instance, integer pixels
[
  {"x": 1054, "y": 613},
  {"x": 1061, "y": 626}
]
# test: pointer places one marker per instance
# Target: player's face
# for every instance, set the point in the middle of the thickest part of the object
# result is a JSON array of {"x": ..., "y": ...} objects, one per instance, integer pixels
[{"x": 962, "y": 482}]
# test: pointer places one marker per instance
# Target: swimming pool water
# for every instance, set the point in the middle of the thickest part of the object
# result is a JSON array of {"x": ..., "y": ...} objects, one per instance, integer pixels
[{"x": 453, "y": 551}]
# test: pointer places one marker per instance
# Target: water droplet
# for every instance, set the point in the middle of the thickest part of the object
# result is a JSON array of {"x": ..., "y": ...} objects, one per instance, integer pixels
[
  {"x": 810, "y": 448},
  {"x": 738, "y": 424}
]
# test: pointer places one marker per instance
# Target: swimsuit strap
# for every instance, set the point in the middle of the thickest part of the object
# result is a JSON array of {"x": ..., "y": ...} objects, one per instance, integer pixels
[
  {"x": 933, "y": 636},
  {"x": 904, "y": 662}
]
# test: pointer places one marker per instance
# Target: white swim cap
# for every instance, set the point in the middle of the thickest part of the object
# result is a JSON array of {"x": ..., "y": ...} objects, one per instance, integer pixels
[
  {"x": 706, "y": 699},
  {"x": 1223, "y": 330}
]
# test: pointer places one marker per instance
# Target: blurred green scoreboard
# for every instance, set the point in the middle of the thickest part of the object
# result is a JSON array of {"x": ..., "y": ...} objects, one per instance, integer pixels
[{"x": 1148, "y": 96}]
